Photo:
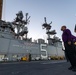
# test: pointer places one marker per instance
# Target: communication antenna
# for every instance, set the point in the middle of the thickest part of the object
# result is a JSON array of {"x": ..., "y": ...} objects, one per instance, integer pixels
[
  {"x": 48, "y": 26},
  {"x": 45, "y": 19},
  {"x": 27, "y": 18}
]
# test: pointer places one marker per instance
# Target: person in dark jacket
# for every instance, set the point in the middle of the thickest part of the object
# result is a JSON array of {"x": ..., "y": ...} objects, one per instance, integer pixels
[{"x": 68, "y": 39}]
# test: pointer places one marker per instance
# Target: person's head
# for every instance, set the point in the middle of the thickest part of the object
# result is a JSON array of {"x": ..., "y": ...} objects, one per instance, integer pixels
[{"x": 63, "y": 28}]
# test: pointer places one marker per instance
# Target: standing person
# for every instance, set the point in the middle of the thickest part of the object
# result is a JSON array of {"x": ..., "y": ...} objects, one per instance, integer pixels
[
  {"x": 29, "y": 57},
  {"x": 67, "y": 38}
]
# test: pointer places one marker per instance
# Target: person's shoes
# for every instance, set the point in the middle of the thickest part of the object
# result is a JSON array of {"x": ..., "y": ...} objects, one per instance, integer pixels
[{"x": 70, "y": 68}]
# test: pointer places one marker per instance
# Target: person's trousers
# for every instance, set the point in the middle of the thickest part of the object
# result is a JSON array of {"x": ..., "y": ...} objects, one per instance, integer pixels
[{"x": 70, "y": 52}]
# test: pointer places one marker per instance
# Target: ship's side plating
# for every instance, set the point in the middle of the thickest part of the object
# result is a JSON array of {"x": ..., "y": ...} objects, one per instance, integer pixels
[{"x": 14, "y": 49}]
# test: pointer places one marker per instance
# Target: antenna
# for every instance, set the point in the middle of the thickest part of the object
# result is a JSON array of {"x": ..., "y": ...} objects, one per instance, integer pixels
[
  {"x": 51, "y": 22},
  {"x": 48, "y": 26},
  {"x": 27, "y": 18},
  {"x": 45, "y": 19}
]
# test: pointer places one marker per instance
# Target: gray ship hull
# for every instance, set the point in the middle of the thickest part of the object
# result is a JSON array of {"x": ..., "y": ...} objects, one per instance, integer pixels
[{"x": 13, "y": 48}]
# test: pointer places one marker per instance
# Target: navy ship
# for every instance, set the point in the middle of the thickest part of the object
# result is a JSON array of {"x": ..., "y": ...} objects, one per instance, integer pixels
[{"x": 14, "y": 43}]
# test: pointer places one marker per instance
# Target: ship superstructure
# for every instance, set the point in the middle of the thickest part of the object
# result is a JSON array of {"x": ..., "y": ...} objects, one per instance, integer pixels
[{"x": 14, "y": 44}]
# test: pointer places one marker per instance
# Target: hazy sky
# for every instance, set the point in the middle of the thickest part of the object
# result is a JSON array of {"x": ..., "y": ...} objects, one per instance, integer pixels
[{"x": 60, "y": 12}]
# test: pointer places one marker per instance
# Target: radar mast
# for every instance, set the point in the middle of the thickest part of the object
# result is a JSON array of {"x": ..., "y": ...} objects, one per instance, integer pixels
[
  {"x": 21, "y": 24},
  {"x": 48, "y": 26}
]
